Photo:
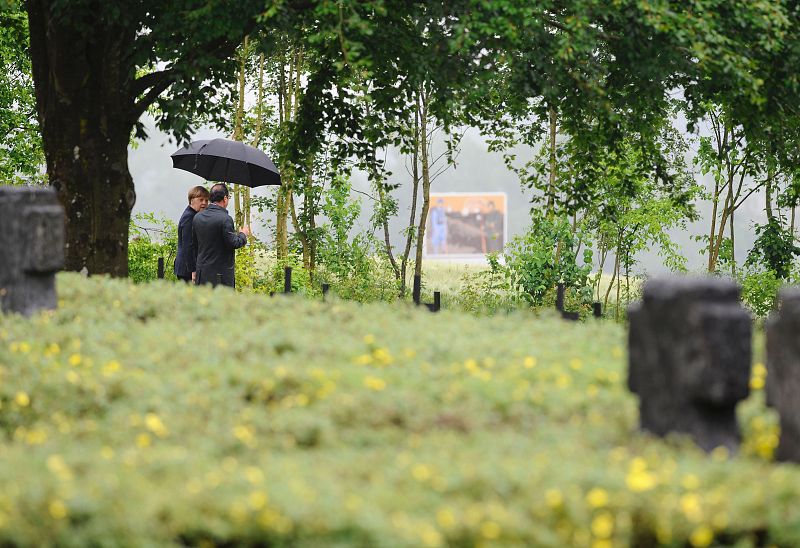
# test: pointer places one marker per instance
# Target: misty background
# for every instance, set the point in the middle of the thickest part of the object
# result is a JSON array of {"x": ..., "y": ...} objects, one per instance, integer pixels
[{"x": 162, "y": 190}]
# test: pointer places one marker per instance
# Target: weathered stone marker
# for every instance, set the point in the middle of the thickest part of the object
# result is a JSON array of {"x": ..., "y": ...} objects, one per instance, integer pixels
[
  {"x": 783, "y": 371},
  {"x": 689, "y": 358},
  {"x": 32, "y": 248}
]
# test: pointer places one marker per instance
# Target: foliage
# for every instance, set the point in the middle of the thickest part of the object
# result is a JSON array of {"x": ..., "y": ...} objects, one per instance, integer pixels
[
  {"x": 488, "y": 290},
  {"x": 546, "y": 255},
  {"x": 21, "y": 156},
  {"x": 151, "y": 238},
  {"x": 349, "y": 260},
  {"x": 147, "y": 415},
  {"x": 760, "y": 291},
  {"x": 774, "y": 249}
]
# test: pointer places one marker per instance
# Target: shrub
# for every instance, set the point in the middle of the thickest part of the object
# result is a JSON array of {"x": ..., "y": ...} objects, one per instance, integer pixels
[
  {"x": 151, "y": 238},
  {"x": 191, "y": 415}
]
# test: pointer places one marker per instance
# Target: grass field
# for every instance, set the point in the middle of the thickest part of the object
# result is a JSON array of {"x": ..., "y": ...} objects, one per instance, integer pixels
[{"x": 163, "y": 414}]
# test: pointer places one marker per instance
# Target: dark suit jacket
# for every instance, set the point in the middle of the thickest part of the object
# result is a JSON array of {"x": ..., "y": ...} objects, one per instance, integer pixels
[
  {"x": 216, "y": 240},
  {"x": 186, "y": 257}
]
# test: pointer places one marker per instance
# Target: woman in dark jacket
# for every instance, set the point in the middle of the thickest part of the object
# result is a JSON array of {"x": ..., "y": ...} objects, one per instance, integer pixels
[{"x": 186, "y": 257}]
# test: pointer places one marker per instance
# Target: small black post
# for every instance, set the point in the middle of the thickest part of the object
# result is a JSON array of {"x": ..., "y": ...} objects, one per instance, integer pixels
[
  {"x": 417, "y": 289},
  {"x": 219, "y": 280},
  {"x": 597, "y": 309},
  {"x": 437, "y": 301},
  {"x": 325, "y": 289},
  {"x": 287, "y": 279},
  {"x": 161, "y": 268},
  {"x": 560, "y": 297},
  {"x": 571, "y": 316}
]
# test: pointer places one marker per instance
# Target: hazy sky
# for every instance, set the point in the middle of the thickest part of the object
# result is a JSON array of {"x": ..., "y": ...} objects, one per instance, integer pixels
[{"x": 162, "y": 189}]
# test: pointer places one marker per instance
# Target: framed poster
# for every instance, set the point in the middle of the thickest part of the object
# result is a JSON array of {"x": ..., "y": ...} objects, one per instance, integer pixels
[{"x": 466, "y": 225}]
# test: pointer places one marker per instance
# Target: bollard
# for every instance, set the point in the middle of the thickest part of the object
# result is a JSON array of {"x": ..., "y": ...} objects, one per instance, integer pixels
[
  {"x": 436, "y": 305},
  {"x": 783, "y": 375},
  {"x": 417, "y": 289},
  {"x": 560, "y": 297},
  {"x": 160, "y": 273},
  {"x": 571, "y": 316},
  {"x": 219, "y": 280},
  {"x": 689, "y": 358},
  {"x": 287, "y": 279},
  {"x": 32, "y": 247},
  {"x": 597, "y": 309},
  {"x": 325, "y": 289}
]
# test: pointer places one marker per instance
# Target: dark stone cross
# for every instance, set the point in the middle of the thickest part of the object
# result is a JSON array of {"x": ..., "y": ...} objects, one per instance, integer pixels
[
  {"x": 32, "y": 247},
  {"x": 689, "y": 358},
  {"x": 783, "y": 371}
]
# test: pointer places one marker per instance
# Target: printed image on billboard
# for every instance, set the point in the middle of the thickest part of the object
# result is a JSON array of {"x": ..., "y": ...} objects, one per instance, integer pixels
[{"x": 466, "y": 224}]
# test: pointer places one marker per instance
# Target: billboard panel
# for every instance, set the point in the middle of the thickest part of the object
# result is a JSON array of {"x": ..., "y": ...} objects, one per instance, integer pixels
[{"x": 465, "y": 224}]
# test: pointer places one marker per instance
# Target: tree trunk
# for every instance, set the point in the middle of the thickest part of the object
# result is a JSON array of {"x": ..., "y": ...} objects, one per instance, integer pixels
[
  {"x": 238, "y": 135},
  {"x": 85, "y": 112},
  {"x": 733, "y": 249},
  {"x": 414, "y": 192},
  {"x": 426, "y": 184},
  {"x": 551, "y": 188},
  {"x": 713, "y": 231}
]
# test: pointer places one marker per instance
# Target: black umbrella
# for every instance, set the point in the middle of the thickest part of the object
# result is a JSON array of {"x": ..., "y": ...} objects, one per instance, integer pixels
[{"x": 227, "y": 161}]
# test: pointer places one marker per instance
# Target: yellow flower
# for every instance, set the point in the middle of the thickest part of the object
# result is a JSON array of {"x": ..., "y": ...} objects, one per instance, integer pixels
[
  {"x": 445, "y": 518},
  {"x": 58, "y": 467},
  {"x": 382, "y": 356},
  {"x": 257, "y": 500},
  {"x": 244, "y": 434},
  {"x": 75, "y": 360},
  {"x": 759, "y": 370},
  {"x": 24, "y": 347},
  {"x": 529, "y": 362},
  {"x": 553, "y": 498},
  {"x": 431, "y": 537},
  {"x": 639, "y": 479},
  {"x": 363, "y": 359},
  {"x": 143, "y": 440},
  {"x": 22, "y": 399},
  {"x": 575, "y": 364},
  {"x": 111, "y": 367},
  {"x": 73, "y": 377},
  {"x": 154, "y": 424},
  {"x": 254, "y": 475},
  {"x": 702, "y": 536},
  {"x": 369, "y": 339},
  {"x": 421, "y": 472},
  {"x": 106, "y": 452},
  {"x": 57, "y": 509},
  {"x": 490, "y": 530},
  {"x": 374, "y": 383},
  {"x": 690, "y": 506},
  {"x": 603, "y": 525},
  {"x": 597, "y": 498},
  {"x": 757, "y": 383}
]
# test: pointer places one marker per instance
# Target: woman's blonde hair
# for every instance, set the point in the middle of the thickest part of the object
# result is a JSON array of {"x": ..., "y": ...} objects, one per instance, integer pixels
[{"x": 198, "y": 192}]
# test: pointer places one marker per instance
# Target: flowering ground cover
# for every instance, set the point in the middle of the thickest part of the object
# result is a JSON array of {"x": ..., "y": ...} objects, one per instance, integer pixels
[{"x": 163, "y": 414}]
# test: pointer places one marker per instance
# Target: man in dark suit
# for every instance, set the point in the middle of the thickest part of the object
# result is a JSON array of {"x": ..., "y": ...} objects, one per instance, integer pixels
[
  {"x": 186, "y": 257},
  {"x": 216, "y": 240}
]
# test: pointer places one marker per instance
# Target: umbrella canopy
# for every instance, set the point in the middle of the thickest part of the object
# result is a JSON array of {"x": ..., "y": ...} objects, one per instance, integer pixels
[{"x": 227, "y": 161}]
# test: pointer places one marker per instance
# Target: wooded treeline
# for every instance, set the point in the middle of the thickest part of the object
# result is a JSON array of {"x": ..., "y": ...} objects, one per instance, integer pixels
[{"x": 595, "y": 88}]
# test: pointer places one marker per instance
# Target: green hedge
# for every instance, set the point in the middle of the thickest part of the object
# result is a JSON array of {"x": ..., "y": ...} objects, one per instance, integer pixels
[{"x": 166, "y": 414}]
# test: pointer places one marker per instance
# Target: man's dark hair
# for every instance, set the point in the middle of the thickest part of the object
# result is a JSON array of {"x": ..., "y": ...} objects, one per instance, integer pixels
[{"x": 218, "y": 193}]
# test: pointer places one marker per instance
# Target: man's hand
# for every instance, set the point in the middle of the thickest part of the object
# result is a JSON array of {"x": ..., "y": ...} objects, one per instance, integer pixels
[{"x": 245, "y": 230}]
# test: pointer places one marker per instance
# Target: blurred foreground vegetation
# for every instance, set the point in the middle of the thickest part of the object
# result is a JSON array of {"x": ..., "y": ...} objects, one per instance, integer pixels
[{"x": 164, "y": 414}]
